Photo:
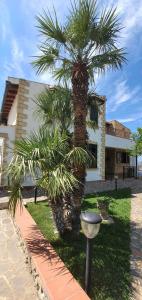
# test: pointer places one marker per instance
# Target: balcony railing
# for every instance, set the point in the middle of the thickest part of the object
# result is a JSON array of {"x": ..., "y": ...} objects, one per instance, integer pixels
[
  {"x": 127, "y": 172},
  {"x": 117, "y": 132}
]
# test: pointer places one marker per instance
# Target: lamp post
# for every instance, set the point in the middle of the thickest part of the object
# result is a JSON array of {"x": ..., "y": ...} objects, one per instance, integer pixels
[
  {"x": 35, "y": 192},
  {"x": 116, "y": 182},
  {"x": 90, "y": 223},
  {"x": 136, "y": 167}
]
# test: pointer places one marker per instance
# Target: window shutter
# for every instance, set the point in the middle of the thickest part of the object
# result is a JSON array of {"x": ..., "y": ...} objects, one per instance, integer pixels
[
  {"x": 93, "y": 149},
  {"x": 94, "y": 113}
]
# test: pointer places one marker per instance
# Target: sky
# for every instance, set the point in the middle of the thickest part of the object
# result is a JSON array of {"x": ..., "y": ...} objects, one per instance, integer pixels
[{"x": 20, "y": 37}]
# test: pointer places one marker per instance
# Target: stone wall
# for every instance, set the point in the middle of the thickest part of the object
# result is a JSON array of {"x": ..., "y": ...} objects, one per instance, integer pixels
[
  {"x": 32, "y": 268},
  {"x": 109, "y": 185},
  {"x": 22, "y": 107}
]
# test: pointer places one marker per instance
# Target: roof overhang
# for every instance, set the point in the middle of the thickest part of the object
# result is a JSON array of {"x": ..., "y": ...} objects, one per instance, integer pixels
[
  {"x": 10, "y": 93},
  {"x": 100, "y": 100}
]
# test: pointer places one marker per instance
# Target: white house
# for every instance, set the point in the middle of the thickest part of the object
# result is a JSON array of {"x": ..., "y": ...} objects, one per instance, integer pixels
[{"x": 109, "y": 142}]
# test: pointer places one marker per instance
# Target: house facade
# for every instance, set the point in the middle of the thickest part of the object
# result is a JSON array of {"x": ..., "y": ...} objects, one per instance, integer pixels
[{"x": 109, "y": 142}]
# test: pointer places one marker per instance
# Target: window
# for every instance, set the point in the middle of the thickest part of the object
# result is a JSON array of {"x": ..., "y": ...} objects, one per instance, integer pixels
[
  {"x": 93, "y": 149},
  {"x": 125, "y": 158},
  {"x": 94, "y": 113},
  {"x": 122, "y": 157}
]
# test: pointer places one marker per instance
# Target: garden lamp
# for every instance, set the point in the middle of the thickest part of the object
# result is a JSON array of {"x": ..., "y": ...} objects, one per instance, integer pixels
[
  {"x": 90, "y": 223},
  {"x": 35, "y": 190},
  {"x": 116, "y": 182}
]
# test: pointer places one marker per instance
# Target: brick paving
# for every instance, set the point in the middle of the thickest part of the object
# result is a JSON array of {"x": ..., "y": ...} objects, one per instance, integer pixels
[{"x": 16, "y": 282}]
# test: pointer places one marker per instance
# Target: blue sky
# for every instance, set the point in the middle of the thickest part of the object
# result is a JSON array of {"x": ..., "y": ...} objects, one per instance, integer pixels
[{"x": 19, "y": 39}]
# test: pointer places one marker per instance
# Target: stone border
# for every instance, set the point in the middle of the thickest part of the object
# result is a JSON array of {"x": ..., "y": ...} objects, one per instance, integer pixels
[
  {"x": 52, "y": 279},
  {"x": 28, "y": 260}
]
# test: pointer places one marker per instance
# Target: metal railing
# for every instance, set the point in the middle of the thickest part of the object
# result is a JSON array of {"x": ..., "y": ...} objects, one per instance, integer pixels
[{"x": 128, "y": 172}]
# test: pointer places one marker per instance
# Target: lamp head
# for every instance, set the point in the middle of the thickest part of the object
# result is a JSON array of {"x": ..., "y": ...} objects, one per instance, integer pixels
[{"x": 90, "y": 223}]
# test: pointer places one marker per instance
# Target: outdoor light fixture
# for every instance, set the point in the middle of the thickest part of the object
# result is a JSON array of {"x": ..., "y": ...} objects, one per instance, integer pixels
[
  {"x": 90, "y": 223},
  {"x": 35, "y": 188},
  {"x": 116, "y": 182}
]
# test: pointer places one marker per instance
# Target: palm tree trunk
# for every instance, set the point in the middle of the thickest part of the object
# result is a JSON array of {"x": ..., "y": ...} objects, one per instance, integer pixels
[
  {"x": 80, "y": 92},
  {"x": 57, "y": 214},
  {"x": 61, "y": 212}
]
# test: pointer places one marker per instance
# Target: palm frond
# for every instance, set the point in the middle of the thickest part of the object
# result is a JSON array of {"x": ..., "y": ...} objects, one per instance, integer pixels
[
  {"x": 91, "y": 124},
  {"x": 44, "y": 109},
  {"x": 63, "y": 73},
  {"x": 54, "y": 107},
  {"x": 48, "y": 154},
  {"x": 58, "y": 182},
  {"x": 82, "y": 16},
  {"x": 47, "y": 59},
  {"x": 88, "y": 36},
  {"x": 105, "y": 32},
  {"x": 42, "y": 153},
  {"x": 15, "y": 197},
  {"x": 113, "y": 59},
  {"x": 78, "y": 157},
  {"x": 50, "y": 28}
]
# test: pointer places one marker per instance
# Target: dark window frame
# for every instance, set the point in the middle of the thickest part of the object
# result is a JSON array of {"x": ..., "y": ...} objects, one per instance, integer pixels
[
  {"x": 94, "y": 116},
  {"x": 93, "y": 148},
  {"x": 122, "y": 157}
]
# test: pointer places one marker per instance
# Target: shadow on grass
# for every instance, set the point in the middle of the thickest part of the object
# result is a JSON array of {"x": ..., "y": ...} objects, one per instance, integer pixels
[
  {"x": 38, "y": 245},
  {"x": 111, "y": 261},
  {"x": 111, "y": 249}
]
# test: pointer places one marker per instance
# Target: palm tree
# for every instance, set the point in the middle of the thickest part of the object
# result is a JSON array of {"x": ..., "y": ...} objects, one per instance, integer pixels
[
  {"x": 85, "y": 44},
  {"x": 54, "y": 108},
  {"x": 48, "y": 155}
]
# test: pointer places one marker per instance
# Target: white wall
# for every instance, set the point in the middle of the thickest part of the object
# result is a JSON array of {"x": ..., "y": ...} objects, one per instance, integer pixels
[
  {"x": 11, "y": 137},
  {"x": 93, "y": 174},
  {"x": 1, "y": 152},
  {"x": 95, "y": 138},
  {"x": 132, "y": 161},
  {"x": 13, "y": 113},
  {"x": 33, "y": 122},
  {"x": 117, "y": 142}
]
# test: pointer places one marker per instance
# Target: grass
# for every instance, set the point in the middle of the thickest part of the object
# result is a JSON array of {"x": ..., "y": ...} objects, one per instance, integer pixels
[{"x": 111, "y": 248}]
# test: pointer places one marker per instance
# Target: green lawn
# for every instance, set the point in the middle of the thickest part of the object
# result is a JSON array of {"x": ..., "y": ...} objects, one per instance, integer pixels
[{"x": 111, "y": 248}]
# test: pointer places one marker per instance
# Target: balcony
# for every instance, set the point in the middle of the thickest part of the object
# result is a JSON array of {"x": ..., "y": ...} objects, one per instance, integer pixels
[{"x": 122, "y": 133}]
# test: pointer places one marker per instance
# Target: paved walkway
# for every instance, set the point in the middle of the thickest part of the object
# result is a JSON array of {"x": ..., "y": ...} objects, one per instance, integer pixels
[
  {"x": 16, "y": 282},
  {"x": 136, "y": 244}
]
